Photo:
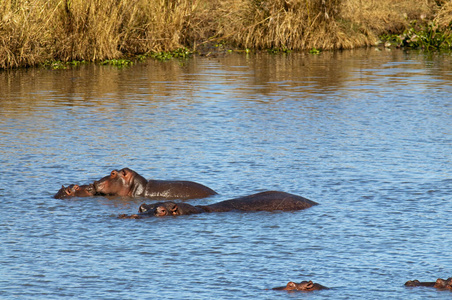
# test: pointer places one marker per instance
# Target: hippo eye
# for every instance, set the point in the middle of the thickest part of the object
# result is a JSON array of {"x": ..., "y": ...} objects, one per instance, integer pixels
[{"x": 161, "y": 211}]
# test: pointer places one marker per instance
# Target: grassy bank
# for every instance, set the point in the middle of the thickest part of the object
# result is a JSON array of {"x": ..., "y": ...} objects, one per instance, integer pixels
[{"x": 35, "y": 31}]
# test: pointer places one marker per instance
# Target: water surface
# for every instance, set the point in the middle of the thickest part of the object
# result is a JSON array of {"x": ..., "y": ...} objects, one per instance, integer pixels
[{"x": 365, "y": 133}]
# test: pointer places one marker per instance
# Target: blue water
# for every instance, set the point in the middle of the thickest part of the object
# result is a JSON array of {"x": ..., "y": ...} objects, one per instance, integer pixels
[{"x": 365, "y": 133}]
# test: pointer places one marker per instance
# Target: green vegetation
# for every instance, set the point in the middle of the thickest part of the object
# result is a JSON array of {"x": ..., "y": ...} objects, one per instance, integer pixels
[
  {"x": 314, "y": 51},
  {"x": 427, "y": 37},
  {"x": 120, "y": 63},
  {"x": 180, "y": 53},
  {"x": 58, "y": 65},
  {"x": 57, "y": 34}
]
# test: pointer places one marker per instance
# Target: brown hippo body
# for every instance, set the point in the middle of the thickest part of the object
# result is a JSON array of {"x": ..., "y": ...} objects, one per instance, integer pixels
[
  {"x": 75, "y": 190},
  {"x": 442, "y": 284},
  {"x": 264, "y": 201},
  {"x": 170, "y": 189},
  {"x": 127, "y": 182},
  {"x": 306, "y": 286}
]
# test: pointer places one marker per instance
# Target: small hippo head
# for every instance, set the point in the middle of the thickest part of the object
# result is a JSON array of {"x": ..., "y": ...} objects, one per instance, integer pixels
[
  {"x": 75, "y": 190},
  {"x": 443, "y": 283},
  {"x": 160, "y": 209},
  {"x": 170, "y": 208},
  {"x": 449, "y": 283},
  {"x": 412, "y": 283},
  {"x": 302, "y": 286},
  {"x": 84, "y": 190},
  {"x": 305, "y": 286}
]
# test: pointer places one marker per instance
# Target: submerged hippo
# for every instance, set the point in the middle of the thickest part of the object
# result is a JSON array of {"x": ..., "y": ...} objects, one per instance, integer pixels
[
  {"x": 442, "y": 284},
  {"x": 306, "y": 286},
  {"x": 74, "y": 190},
  {"x": 127, "y": 182},
  {"x": 264, "y": 201}
]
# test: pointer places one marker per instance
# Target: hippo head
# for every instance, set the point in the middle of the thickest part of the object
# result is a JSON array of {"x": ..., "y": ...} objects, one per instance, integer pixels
[
  {"x": 75, "y": 190},
  {"x": 124, "y": 182},
  {"x": 449, "y": 283},
  {"x": 64, "y": 192},
  {"x": 160, "y": 209},
  {"x": 443, "y": 284},
  {"x": 84, "y": 190},
  {"x": 302, "y": 286},
  {"x": 412, "y": 283}
]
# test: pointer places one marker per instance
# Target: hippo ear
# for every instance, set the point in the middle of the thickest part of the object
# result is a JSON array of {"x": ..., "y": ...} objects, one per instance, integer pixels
[
  {"x": 174, "y": 209},
  {"x": 76, "y": 187},
  {"x": 143, "y": 208},
  {"x": 68, "y": 190}
]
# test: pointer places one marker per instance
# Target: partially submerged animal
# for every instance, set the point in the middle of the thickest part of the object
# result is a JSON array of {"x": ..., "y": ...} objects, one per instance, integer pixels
[
  {"x": 127, "y": 182},
  {"x": 306, "y": 286},
  {"x": 264, "y": 201},
  {"x": 442, "y": 284},
  {"x": 75, "y": 190}
]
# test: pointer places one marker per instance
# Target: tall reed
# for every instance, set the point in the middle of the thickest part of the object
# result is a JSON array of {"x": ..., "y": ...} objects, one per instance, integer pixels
[{"x": 33, "y": 31}]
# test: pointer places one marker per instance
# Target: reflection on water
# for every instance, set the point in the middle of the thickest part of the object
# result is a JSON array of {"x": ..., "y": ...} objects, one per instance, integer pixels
[{"x": 365, "y": 133}]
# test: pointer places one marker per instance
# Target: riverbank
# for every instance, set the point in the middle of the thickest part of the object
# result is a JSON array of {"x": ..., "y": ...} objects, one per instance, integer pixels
[{"x": 36, "y": 32}]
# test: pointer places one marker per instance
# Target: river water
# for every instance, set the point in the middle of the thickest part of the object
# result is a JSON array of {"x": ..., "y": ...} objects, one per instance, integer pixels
[{"x": 365, "y": 133}]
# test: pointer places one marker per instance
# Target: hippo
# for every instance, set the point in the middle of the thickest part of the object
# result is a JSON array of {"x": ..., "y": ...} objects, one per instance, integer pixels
[
  {"x": 127, "y": 182},
  {"x": 442, "y": 284},
  {"x": 305, "y": 286},
  {"x": 263, "y": 201},
  {"x": 75, "y": 190}
]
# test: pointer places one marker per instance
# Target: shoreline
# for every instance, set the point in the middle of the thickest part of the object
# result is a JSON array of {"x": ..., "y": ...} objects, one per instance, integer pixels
[{"x": 118, "y": 33}]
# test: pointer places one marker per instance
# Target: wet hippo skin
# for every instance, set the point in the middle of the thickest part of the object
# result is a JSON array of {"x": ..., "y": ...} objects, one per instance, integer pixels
[
  {"x": 264, "y": 201},
  {"x": 127, "y": 182},
  {"x": 442, "y": 284},
  {"x": 306, "y": 286},
  {"x": 75, "y": 190}
]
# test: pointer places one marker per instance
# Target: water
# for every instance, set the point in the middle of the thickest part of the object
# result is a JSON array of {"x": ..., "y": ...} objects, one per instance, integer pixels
[{"x": 365, "y": 133}]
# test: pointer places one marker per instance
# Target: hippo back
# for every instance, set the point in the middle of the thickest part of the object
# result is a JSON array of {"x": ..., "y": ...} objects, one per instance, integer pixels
[
  {"x": 264, "y": 201},
  {"x": 170, "y": 189}
]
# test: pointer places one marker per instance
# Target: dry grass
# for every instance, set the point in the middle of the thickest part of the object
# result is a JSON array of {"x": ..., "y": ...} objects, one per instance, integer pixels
[
  {"x": 387, "y": 16},
  {"x": 33, "y": 31},
  {"x": 444, "y": 16}
]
